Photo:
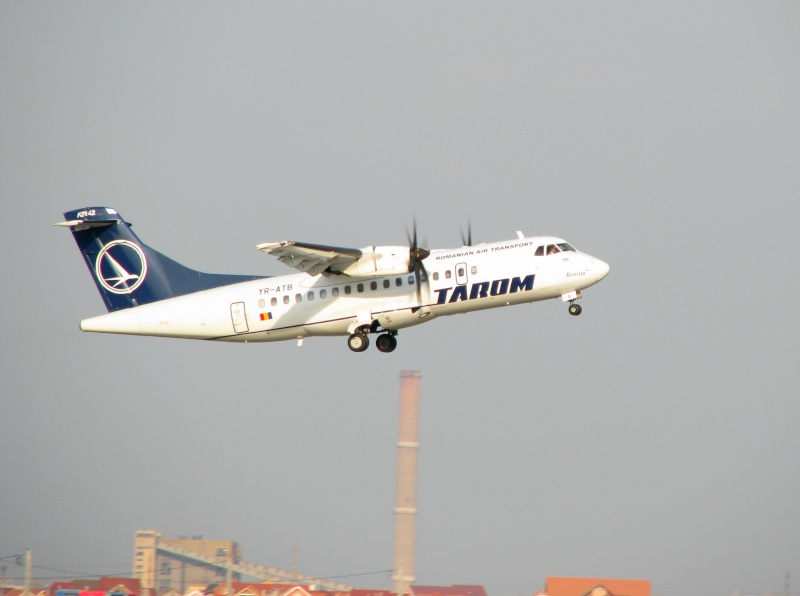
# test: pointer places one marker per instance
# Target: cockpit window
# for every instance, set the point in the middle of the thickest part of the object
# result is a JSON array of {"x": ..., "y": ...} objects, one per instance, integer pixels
[
  {"x": 539, "y": 252},
  {"x": 565, "y": 246},
  {"x": 552, "y": 249}
]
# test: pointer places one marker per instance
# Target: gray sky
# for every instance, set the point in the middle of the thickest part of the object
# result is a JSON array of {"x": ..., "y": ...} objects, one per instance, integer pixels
[{"x": 653, "y": 437}]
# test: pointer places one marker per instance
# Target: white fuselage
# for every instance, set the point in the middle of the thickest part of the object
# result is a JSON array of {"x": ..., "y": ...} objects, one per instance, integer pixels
[{"x": 300, "y": 305}]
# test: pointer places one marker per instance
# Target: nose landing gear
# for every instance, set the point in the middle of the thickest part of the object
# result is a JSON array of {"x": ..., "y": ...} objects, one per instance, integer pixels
[{"x": 571, "y": 297}]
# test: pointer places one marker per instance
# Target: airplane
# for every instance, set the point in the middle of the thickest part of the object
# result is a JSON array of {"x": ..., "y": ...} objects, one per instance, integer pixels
[{"x": 337, "y": 291}]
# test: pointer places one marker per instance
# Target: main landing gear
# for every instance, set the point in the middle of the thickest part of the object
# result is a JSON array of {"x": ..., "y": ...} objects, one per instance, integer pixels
[
  {"x": 359, "y": 341},
  {"x": 575, "y": 309}
]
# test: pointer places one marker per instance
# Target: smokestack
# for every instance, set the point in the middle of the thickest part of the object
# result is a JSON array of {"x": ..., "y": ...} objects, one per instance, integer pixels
[{"x": 405, "y": 510}]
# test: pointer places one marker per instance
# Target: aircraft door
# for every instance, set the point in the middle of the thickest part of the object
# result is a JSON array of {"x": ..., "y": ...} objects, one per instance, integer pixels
[
  {"x": 461, "y": 274},
  {"x": 239, "y": 317}
]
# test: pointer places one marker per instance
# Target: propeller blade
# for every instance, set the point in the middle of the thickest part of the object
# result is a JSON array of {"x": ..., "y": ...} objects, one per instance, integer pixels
[
  {"x": 418, "y": 277},
  {"x": 416, "y": 254},
  {"x": 412, "y": 236},
  {"x": 467, "y": 240}
]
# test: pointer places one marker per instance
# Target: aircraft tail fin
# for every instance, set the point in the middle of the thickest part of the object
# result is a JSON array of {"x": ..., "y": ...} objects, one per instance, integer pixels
[{"x": 126, "y": 271}]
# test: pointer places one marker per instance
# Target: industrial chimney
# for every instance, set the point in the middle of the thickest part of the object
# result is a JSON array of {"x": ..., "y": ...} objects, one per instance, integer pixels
[{"x": 405, "y": 510}]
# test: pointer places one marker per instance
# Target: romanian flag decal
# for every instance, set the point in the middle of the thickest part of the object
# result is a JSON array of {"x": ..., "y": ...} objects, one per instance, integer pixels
[{"x": 266, "y": 316}]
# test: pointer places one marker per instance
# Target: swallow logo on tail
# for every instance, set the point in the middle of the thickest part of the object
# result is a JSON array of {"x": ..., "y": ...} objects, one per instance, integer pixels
[{"x": 121, "y": 267}]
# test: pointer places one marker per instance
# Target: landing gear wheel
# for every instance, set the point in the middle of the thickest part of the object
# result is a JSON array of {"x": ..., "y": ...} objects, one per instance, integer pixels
[
  {"x": 575, "y": 309},
  {"x": 358, "y": 342},
  {"x": 386, "y": 342}
]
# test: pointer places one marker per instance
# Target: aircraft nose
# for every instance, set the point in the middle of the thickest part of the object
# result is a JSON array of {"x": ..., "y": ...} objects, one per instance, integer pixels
[{"x": 600, "y": 269}]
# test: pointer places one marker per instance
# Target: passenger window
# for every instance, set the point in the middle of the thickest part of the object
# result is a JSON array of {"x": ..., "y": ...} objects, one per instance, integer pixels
[
  {"x": 411, "y": 280},
  {"x": 386, "y": 283},
  {"x": 261, "y": 303},
  {"x": 360, "y": 287},
  {"x": 286, "y": 299},
  {"x": 298, "y": 298},
  {"x": 323, "y": 294},
  {"x": 474, "y": 270},
  {"x": 311, "y": 295},
  {"x": 539, "y": 252},
  {"x": 373, "y": 285},
  {"x": 448, "y": 274},
  {"x": 398, "y": 282},
  {"x": 274, "y": 301},
  {"x": 461, "y": 272},
  {"x": 435, "y": 276},
  {"x": 348, "y": 290},
  {"x": 335, "y": 292}
]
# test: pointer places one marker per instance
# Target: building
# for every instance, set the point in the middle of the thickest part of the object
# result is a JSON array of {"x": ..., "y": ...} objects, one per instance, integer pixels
[
  {"x": 178, "y": 566},
  {"x": 585, "y": 586},
  {"x": 116, "y": 586},
  {"x": 167, "y": 564}
]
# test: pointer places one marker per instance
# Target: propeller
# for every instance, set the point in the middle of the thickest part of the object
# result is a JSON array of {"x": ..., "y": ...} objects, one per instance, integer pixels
[
  {"x": 467, "y": 239},
  {"x": 417, "y": 254}
]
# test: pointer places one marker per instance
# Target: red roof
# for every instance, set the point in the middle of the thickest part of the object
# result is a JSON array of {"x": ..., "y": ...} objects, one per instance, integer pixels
[
  {"x": 583, "y": 586},
  {"x": 131, "y": 585},
  {"x": 361, "y": 592},
  {"x": 454, "y": 590},
  {"x": 104, "y": 584}
]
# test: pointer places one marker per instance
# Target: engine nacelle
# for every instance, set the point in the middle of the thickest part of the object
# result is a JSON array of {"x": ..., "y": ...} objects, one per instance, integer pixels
[{"x": 380, "y": 260}]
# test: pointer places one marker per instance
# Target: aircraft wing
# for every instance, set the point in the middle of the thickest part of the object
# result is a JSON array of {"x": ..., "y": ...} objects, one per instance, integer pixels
[{"x": 312, "y": 258}]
